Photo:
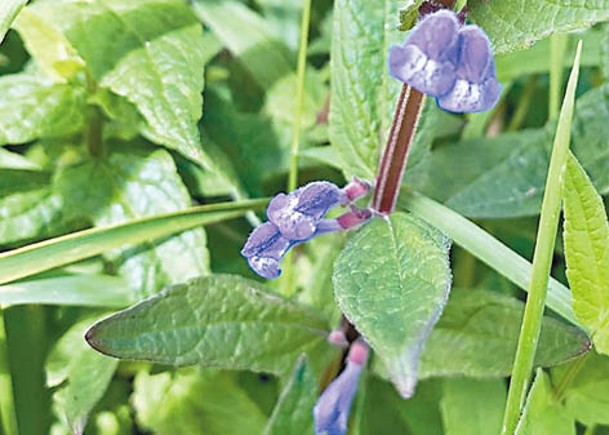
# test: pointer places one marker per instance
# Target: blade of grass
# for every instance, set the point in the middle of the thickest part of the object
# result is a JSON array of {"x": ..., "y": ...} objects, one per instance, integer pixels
[
  {"x": 8, "y": 12},
  {"x": 487, "y": 249},
  {"x": 542, "y": 258},
  {"x": 7, "y": 398},
  {"x": 59, "y": 251},
  {"x": 558, "y": 48},
  {"x": 289, "y": 280}
]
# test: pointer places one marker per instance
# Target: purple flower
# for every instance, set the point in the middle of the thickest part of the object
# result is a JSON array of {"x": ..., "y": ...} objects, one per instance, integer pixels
[
  {"x": 331, "y": 411},
  {"x": 448, "y": 61},
  {"x": 297, "y": 217}
]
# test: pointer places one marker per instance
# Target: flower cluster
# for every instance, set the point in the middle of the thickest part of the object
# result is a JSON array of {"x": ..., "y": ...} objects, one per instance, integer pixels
[
  {"x": 448, "y": 61},
  {"x": 331, "y": 411},
  {"x": 297, "y": 217}
]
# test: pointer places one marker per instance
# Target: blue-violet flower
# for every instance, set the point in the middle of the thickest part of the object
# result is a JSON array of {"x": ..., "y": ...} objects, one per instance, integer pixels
[
  {"x": 297, "y": 217},
  {"x": 331, "y": 411},
  {"x": 448, "y": 61}
]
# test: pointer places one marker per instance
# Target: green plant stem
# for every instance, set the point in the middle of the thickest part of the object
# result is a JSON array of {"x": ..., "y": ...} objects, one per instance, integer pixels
[
  {"x": 590, "y": 430},
  {"x": 9, "y": 9},
  {"x": 59, "y": 251},
  {"x": 289, "y": 280},
  {"x": 558, "y": 48},
  {"x": 7, "y": 398},
  {"x": 523, "y": 105},
  {"x": 487, "y": 249},
  {"x": 542, "y": 259}
]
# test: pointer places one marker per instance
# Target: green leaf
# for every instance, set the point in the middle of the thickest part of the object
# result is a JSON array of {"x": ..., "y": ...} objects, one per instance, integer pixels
[
  {"x": 50, "y": 49},
  {"x": 247, "y": 37},
  {"x": 32, "y": 107},
  {"x": 484, "y": 184},
  {"x": 478, "y": 332},
  {"x": 516, "y": 25},
  {"x": 473, "y": 406},
  {"x": 586, "y": 394},
  {"x": 86, "y": 375},
  {"x": 586, "y": 240},
  {"x": 80, "y": 290},
  {"x": 52, "y": 253},
  {"x": 148, "y": 51},
  {"x": 384, "y": 412},
  {"x": 293, "y": 412},
  {"x": 130, "y": 186},
  {"x": 390, "y": 266},
  {"x": 543, "y": 414},
  {"x": 215, "y": 321},
  {"x": 29, "y": 206},
  {"x": 363, "y": 95},
  {"x": 9, "y": 9},
  {"x": 194, "y": 402}
]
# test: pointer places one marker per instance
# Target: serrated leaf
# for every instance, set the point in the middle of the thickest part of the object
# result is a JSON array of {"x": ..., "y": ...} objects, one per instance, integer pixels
[
  {"x": 478, "y": 332},
  {"x": 148, "y": 51},
  {"x": 543, "y": 414},
  {"x": 293, "y": 412},
  {"x": 86, "y": 373},
  {"x": 134, "y": 185},
  {"x": 586, "y": 241},
  {"x": 516, "y": 25},
  {"x": 392, "y": 282},
  {"x": 585, "y": 395},
  {"x": 32, "y": 107},
  {"x": 29, "y": 207},
  {"x": 215, "y": 321},
  {"x": 472, "y": 406},
  {"x": 247, "y": 36},
  {"x": 50, "y": 49},
  {"x": 194, "y": 402}
]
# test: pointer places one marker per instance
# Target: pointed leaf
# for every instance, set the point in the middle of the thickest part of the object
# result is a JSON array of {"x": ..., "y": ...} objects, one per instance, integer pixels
[
  {"x": 586, "y": 238},
  {"x": 543, "y": 414},
  {"x": 293, "y": 412},
  {"x": 392, "y": 282},
  {"x": 477, "y": 336},
  {"x": 215, "y": 321}
]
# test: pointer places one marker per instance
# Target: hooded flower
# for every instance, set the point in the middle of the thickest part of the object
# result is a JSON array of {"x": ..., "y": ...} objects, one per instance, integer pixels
[
  {"x": 297, "y": 217},
  {"x": 448, "y": 61}
]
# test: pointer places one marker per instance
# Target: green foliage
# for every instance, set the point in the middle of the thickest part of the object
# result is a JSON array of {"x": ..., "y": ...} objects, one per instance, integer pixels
[
  {"x": 586, "y": 238},
  {"x": 387, "y": 268},
  {"x": 216, "y": 321}
]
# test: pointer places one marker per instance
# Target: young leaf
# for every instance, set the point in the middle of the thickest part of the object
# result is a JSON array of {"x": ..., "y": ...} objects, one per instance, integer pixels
[
  {"x": 392, "y": 282},
  {"x": 543, "y": 414},
  {"x": 517, "y": 24},
  {"x": 130, "y": 186},
  {"x": 293, "y": 412},
  {"x": 87, "y": 373},
  {"x": 214, "y": 321},
  {"x": 586, "y": 240},
  {"x": 472, "y": 406},
  {"x": 33, "y": 106},
  {"x": 194, "y": 402},
  {"x": 248, "y": 38},
  {"x": 586, "y": 394},
  {"x": 148, "y": 51},
  {"x": 477, "y": 335}
]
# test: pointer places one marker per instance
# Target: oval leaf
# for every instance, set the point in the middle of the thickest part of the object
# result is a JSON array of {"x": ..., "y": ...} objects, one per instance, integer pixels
[
  {"x": 215, "y": 321},
  {"x": 392, "y": 281}
]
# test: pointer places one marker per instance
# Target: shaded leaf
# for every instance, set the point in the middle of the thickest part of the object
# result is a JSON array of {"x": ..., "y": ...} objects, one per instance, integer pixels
[
  {"x": 293, "y": 412},
  {"x": 473, "y": 406},
  {"x": 390, "y": 266},
  {"x": 194, "y": 402},
  {"x": 478, "y": 332},
  {"x": 543, "y": 414},
  {"x": 215, "y": 321},
  {"x": 586, "y": 241},
  {"x": 134, "y": 185}
]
